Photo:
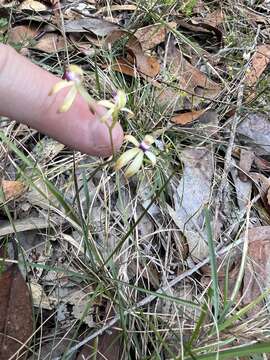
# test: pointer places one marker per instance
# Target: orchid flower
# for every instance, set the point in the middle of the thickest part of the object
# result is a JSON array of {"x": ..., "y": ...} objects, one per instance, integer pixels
[
  {"x": 73, "y": 78},
  {"x": 135, "y": 156},
  {"x": 115, "y": 106}
]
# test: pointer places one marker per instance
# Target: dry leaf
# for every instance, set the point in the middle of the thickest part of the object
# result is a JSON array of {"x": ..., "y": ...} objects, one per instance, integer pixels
[
  {"x": 199, "y": 7},
  {"x": 187, "y": 117},
  {"x": 263, "y": 185},
  {"x": 116, "y": 8},
  {"x": 32, "y": 5},
  {"x": 125, "y": 67},
  {"x": 23, "y": 225},
  {"x": 228, "y": 269},
  {"x": 243, "y": 188},
  {"x": 97, "y": 26},
  {"x": 146, "y": 65},
  {"x": 106, "y": 346},
  {"x": 12, "y": 189},
  {"x": 192, "y": 194},
  {"x": 254, "y": 129},
  {"x": 39, "y": 297},
  {"x": 189, "y": 79},
  {"x": 257, "y": 279},
  {"x": 255, "y": 17},
  {"x": 262, "y": 164},
  {"x": 153, "y": 35},
  {"x": 21, "y": 34},
  {"x": 49, "y": 43},
  {"x": 259, "y": 62},
  {"x": 46, "y": 149},
  {"x": 199, "y": 25},
  {"x": 15, "y": 313},
  {"x": 214, "y": 18},
  {"x": 246, "y": 160}
]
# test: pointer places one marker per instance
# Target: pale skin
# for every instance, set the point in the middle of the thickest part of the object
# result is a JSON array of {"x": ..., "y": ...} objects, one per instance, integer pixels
[{"x": 24, "y": 89}]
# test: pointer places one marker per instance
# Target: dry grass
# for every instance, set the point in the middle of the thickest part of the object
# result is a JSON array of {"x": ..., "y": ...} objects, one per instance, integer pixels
[{"x": 114, "y": 249}]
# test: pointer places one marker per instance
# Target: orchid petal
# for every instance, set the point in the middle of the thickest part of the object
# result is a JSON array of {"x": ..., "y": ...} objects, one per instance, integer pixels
[
  {"x": 126, "y": 157},
  {"x": 151, "y": 156},
  {"x": 107, "y": 104},
  {"x": 120, "y": 99},
  {"x": 131, "y": 113},
  {"x": 74, "y": 73},
  {"x": 148, "y": 140},
  {"x": 75, "y": 69},
  {"x": 134, "y": 167},
  {"x": 69, "y": 99},
  {"x": 59, "y": 86},
  {"x": 132, "y": 139}
]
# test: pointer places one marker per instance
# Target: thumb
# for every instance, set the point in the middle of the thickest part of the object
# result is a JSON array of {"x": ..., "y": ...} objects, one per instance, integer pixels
[{"x": 24, "y": 89}]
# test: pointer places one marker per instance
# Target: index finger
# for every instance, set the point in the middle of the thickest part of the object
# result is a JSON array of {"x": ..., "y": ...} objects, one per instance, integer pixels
[{"x": 24, "y": 89}]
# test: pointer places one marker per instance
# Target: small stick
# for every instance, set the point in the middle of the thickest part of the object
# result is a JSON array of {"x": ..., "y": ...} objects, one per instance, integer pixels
[{"x": 221, "y": 195}]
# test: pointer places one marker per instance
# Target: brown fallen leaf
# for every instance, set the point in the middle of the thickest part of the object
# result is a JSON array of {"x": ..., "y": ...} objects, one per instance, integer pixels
[
  {"x": 97, "y": 26},
  {"x": 28, "y": 36},
  {"x": 12, "y": 189},
  {"x": 153, "y": 35},
  {"x": 16, "y": 323},
  {"x": 194, "y": 86},
  {"x": 125, "y": 67},
  {"x": 263, "y": 185},
  {"x": 228, "y": 268},
  {"x": 188, "y": 76},
  {"x": 262, "y": 164},
  {"x": 21, "y": 34},
  {"x": 107, "y": 346},
  {"x": 259, "y": 62},
  {"x": 199, "y": 7},
  {"x": 191, "y": 195},
  {"x": 50, "y": 43},
  {"x": 255, "y": 17},
  {"x": 246, "y": 160},
  {"x": 201, "y": 25},
  {"x": 32, "y": 5},
  {"x": 256, "y": 279},
  {"x": 214, "y": 18},
  {"x": 147, "y": 66},
  {"x": 254, "y": 130},
  {"x": 187, "y": 117}
]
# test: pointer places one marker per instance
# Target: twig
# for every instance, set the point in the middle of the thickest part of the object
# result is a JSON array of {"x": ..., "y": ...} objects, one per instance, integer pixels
[
  {"x": 148, "y": 299},
  {"x": 221, "y": 195}
]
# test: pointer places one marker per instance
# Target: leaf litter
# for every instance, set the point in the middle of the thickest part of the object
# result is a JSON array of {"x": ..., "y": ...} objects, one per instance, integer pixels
[
  {"x": 16, "y": 324},
  {"x": 194, "y": 83}
]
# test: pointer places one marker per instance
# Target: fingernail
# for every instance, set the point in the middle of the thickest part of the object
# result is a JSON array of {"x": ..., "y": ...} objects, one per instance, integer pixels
[{"x": 100, "y": 141}]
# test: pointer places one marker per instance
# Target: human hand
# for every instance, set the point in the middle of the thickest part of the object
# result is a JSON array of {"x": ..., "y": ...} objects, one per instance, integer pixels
[{"x": 24, "y": 89}]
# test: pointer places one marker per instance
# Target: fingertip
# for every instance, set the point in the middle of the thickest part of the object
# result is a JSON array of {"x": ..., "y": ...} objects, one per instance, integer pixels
[{"x": 101, "y": 142}]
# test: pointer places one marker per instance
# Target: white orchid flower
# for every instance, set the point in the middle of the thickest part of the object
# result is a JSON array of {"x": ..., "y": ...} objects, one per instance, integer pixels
[
  {"x": 73, "y": 78},
  {"x": 135, "y": 156},
  {"x": 115, "y": 106}
]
